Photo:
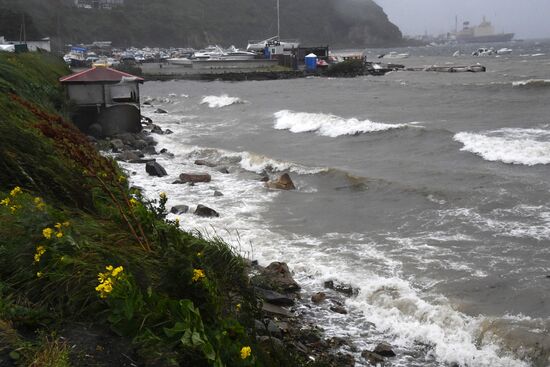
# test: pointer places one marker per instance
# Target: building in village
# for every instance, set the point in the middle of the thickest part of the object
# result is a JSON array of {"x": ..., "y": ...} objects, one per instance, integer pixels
[{"x": 106, "y": 101}]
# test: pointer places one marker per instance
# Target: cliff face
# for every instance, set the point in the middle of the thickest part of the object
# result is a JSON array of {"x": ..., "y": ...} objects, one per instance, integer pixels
[{"x": 195, "y": 23}]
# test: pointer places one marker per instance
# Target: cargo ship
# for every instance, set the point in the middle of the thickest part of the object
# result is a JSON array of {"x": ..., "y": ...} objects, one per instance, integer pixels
[{"x": 483, "y": 33}]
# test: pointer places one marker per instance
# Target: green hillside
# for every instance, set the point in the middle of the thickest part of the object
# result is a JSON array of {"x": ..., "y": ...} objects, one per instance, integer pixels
[{"x": 195, "y": 23}]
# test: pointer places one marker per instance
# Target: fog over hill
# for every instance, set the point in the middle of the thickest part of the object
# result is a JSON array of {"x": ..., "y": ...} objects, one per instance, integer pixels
[{"x": 341, "y": 23}]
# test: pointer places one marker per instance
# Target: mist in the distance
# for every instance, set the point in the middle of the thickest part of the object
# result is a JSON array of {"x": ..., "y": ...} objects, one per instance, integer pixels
[{"x": 526, "y": 18}]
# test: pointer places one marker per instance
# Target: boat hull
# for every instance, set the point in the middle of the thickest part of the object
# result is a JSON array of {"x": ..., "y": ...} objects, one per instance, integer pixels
[{"x": 504, "y": 37}]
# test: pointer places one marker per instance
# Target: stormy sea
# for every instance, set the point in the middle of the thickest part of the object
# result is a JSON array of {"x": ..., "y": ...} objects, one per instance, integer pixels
[{"x": 428, "y": 192}]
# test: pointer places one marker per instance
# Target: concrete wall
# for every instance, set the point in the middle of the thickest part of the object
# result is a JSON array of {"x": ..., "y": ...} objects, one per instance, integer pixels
[
  {"x": 207, "y": 67},
  {"x": 108, "y": 94},
  {"x": 86, "y": 93}
]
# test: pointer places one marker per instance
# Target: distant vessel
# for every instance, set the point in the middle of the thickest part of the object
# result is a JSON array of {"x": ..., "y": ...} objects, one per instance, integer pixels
[{"x": 485, "y": 32}]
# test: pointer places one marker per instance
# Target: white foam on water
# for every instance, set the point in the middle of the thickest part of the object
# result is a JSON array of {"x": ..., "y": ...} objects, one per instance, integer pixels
[
  {"x": 511, "y": 145},
  {"x": 327, "y": 125},
  {"x": 221, "y": 101},
  {"x": 532, "y": 82},
  {"x": 391, "y": 303}
]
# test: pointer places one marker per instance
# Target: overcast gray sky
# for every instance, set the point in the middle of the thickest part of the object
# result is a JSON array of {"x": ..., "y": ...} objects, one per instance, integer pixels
[{"x": 527, "y": 18}]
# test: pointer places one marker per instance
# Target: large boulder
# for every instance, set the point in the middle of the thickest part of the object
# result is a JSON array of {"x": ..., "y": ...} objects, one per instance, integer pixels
[
  {"x": 384, "y": 349},
  {"x": 273, "y": 297},
  {"x": 179, "y": 209},
  {"x": 277, "y": 277},
  {"x": 204, "y": 211},
  {"x": 155, "y": 169},
  {"x": 284, "y": 182},
  {"x": 202, "y": 162},
  {"x": 127, "y": 156},
  {"x": 195, "y": 177}
]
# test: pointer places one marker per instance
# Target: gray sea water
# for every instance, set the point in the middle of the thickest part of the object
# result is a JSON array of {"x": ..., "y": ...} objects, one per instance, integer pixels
[{"x": 430, "y": 192}]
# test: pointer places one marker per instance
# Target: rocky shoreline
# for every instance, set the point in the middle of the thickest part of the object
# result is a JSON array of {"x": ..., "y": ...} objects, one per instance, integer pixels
[{"x": 282, "y": 323}]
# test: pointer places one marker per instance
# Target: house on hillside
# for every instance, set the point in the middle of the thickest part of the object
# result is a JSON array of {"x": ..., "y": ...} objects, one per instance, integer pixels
[{"x": 106, "y": 100}]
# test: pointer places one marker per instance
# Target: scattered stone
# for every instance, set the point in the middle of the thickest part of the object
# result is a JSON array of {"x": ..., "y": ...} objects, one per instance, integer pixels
[
  {"x": 127, "y": 156},
  {"x": 284, "y": 182},
  {"x": 223, "y": 170},
  {"x": 150, "y": 140},
  {"x": 384, "y": 349},
  {"x": 163, "y": 150},
  {"x": 373, "y": 358},
  {"x": 142, "y": 160},
  {"x": 276, "y": 310},
  {"x": 318, "y": 297},
  {"x": 346, "y": 289},
  {"x": 157, "y": 130},
  {"x": 270, "y": 329},
  {"x": 218, "y": 193},
  {"x": 195, "y": 177},
  {"x": 117, "y": 145},
  {"x": 202, "y": 162},
  {"x": 160, "y": 110},
  {"x": 204, "y": 211},
  {"x": 155, "y": 169},
  {"x": 179, "y": 209},
  {"x": 168, "y": 132},
  {"x": 264, "y": 178},
  {"x": 149, "y": 150},
  {"x": 338, "y": 309},
  {"x": 147, "y": 103},
  {"x": 270, "y": 342},
  {"x": 273, "y": 297}
]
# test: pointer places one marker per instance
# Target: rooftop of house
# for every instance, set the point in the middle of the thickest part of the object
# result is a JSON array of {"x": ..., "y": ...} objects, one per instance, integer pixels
[{"x": 99, "y": 75}]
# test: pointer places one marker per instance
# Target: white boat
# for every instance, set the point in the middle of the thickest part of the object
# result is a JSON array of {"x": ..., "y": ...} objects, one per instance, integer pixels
[
  {"x": 209, "y": 53},
  {"x": 273, "y": 41},
  {"x": 233, "y": 53},
  {"x": 180, "y": 61},
  {"x": 504, "y": 51},
  {"x": 394, "y": 55}
]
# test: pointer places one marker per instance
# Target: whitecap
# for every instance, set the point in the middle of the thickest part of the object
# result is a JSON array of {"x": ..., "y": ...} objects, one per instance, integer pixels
[
  {"x": 221, "y": 101},
  {"x": 515, "y": 146},
  {"x": 326, "y": 124}
]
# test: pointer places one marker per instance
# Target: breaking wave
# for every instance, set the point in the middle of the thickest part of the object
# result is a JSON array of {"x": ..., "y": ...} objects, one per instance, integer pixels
[
  {"x": 532, "y": 83},
  {"x": 221, "y": 101},
  {"x": 515, "y": 146},
  {"x": 327, "y": 125}
]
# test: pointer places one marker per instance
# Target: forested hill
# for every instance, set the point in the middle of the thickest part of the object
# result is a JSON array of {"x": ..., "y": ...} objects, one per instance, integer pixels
[{"x": 195, "y": 23}]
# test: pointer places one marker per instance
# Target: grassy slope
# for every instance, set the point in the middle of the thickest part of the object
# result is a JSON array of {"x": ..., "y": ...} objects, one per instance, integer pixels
[{"x": 160, "y": 306}]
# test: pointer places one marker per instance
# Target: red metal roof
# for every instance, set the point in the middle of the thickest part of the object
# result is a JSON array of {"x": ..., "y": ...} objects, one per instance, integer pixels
[{"x": 97, "y": 75}]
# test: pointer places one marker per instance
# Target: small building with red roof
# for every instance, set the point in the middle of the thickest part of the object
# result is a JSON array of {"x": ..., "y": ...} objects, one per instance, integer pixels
[{"x": 106, "y": 100}]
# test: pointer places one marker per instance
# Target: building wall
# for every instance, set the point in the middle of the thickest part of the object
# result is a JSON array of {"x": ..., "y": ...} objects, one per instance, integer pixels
[
  {"x": 107, "y": 94},
  {"x": 86, "y": 94}
]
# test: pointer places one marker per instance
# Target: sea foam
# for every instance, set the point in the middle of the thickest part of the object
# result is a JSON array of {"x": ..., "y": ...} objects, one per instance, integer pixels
[
  {"x": 326, "y": 124},
  {"x": 515, "y": 146},
  {"x": 221, "y": 101}
]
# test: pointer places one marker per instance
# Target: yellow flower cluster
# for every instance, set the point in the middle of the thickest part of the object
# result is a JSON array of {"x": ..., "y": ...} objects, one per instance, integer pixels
[
  {"x": 108, "y": 279},
  {"x": 48, "y": 232},
  {"x": 39, "y": 203},
  {"x": 198, "y": 274},
  {"x": 40, "y": 250},
  {"x": 133, "y": 202},
  {"x": 163, "y": 196},
  {"x": 245, "y": 352},
  {"x": 16, "y": 190}
]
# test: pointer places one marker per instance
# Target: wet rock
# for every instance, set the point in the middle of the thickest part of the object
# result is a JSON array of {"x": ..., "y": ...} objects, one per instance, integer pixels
[
  {"x": 142, "y": 160},
  {"x": 273, "y": 297},
  {"x": 318, "y": 297},
  {"x": 150, "y": 140},
  {"x": 346, "y": 289},
  {"x": 117, "y": 145},
  {"x": 276, "y": 310},
  {"x": 284, "y": 182},
  {"x": 127, "y": 138},
  {"x": 384, "y": 349},
  {"x": 163, "y": 150},
  {"x": 338, "y": 309},
  {"x": 270, "y": 342},
  {"x": 168, "y": 132},
  {"x": 149, "y": 150},
  {"x": 127, "y": 156},
  {"x": 372, "y": 358},
  {"x": 155, "y": 169},
  {"x": 157, "y": 130},
  {"x": 268, "y": 328},
  {"x": 264, "y": 178},
  {"x": 195, "y": 177},
  {"x": 278, "y": 278},
  {"x": 160, "y": 110},
  {"x": 218, "y": 193},
  {"x": 223, "y": 170},
  {"x": 202, "y": 162},
  {"x": 179, "y": 209},
  {"x": 140, "y": 144},
  {"x": 204, "y": 211},
  {"x": 147, "y": 103}
]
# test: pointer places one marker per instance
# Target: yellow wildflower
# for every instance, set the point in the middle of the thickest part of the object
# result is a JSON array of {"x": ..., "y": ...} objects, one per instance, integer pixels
[
  {"x": 117, "y": 271},
  {"x": 47, "y": 233},
  {"x": 39, "y": 274},
  {"x": 199, "y": 254},
  {"x": 16, "y": 190},
  {"x": 133, "y": 202},
  {"x": 238, "y": 307},
  {"x": 121, "y": 179},
  {"x": 198, "y": 274},
  {"x": 66, "y": 224},
  {"x": 177, "y": 222},
  {"x": 39, "y": 203},
  {"x": 109, "y": 267},
  {"x": 245, "y": 352},
  {"x": 40, "y": 250},
  {"x": 59, "y": 234},
  {"x": 5, "y": 202},
  {"x": 163, "y": 196},
  {"x": 58, "y": 226},
  {"x": 13, "y": 208}
]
